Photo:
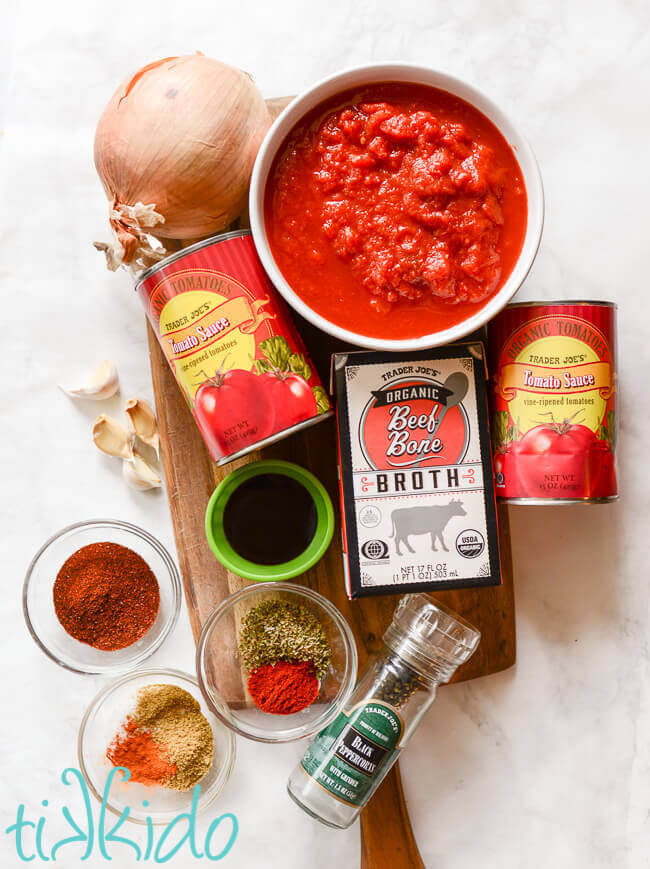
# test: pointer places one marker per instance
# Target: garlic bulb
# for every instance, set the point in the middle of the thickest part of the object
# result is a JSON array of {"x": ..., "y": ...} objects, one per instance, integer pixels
[
  {"x": 102, "y": 383},
  {"x": 174, "y": 149},
  {"x": 112, "y": 438}
]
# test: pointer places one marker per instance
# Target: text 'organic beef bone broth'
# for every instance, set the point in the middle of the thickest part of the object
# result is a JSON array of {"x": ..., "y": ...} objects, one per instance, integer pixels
[{"x": 417, "y": 492}]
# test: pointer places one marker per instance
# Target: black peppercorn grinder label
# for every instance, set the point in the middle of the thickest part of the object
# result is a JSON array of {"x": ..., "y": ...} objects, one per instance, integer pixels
[{"x": 350, "y": 757}]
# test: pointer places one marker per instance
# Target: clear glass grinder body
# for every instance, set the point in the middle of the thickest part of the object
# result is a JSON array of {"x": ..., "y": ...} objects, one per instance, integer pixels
[{"x": 344, "y": 765}]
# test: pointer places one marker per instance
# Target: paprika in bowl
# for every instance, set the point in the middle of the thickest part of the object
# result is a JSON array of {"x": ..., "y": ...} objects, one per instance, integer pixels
[
  {"x": 396, "y": 207},
  {"x": 274, "y": 702},
  {"x": 101, "y": 596}
]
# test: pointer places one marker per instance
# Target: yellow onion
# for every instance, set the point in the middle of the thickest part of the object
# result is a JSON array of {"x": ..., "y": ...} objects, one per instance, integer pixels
[{"x": 174, "y": 149}]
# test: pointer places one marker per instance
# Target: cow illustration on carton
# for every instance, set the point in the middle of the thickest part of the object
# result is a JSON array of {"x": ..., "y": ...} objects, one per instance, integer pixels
[{"x": 424, "y": 520}]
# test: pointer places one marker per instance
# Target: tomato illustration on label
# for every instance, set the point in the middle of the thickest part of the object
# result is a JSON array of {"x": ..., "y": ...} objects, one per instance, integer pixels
[
  {"x": 293, "y": 399},
  {"x": 285, "y": 376},
  {"x": 557, "y": 456},
  {"x": 233, "y": 410},
  {"x": 553, "y": 401}
]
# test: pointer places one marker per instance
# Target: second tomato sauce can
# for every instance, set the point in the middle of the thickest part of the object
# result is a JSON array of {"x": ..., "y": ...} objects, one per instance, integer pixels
[
  {"x": 553, "y": 402},
  {"x": 232, "y": 346}
]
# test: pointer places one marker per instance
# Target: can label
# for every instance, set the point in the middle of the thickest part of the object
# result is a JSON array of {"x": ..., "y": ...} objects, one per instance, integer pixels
[
  {"x": 351, "y": 756},
  {"x": 231, "y": 345},
  {"x": 417, "y": 492},
  {"x": 554, "y": 401}
]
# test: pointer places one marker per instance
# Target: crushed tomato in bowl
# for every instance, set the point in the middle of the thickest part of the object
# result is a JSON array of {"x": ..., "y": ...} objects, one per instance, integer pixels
[{"x": 399, "y": 207}]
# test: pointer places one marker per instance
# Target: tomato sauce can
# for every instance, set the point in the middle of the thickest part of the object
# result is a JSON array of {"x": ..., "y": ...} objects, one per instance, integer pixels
[
  {"x": 232, "y": 346},
  {"x": 553, "y": 402}
]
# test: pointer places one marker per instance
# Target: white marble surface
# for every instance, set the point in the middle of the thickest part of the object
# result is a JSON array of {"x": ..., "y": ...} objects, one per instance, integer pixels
[{"x": 546, "y": 765}]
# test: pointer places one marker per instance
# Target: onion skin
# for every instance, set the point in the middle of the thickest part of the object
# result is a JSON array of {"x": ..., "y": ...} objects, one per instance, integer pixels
[{"x": 182, "y": 135}]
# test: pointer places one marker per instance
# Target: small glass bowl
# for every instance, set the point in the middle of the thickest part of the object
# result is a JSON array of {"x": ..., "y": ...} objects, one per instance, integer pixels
[
  {"x": 222, "y": 675},
  {"x": 103, "y": 720},
  {"x": 38, "y": 602}
]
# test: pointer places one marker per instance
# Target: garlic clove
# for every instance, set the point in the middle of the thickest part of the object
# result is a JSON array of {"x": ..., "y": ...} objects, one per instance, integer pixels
[
  {"x": 139, "y": 474},
  {"x": 142, "y": 422},
  {"x": 102, "y": 383},
  {"x": 112, "y": 438}
]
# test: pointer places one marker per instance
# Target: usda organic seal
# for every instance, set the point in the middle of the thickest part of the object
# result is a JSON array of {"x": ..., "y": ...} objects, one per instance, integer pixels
[{"x": 470, "y": 543}]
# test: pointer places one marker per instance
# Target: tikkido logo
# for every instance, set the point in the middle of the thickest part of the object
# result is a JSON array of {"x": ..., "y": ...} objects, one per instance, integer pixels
[{"x": 180, "y": 833}]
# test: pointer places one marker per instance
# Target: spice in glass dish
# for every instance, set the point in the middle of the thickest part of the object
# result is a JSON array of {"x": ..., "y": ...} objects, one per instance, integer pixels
[
  {"x": 284, "y": 648},
  {"x": 106, "y": 595},
  {"x": 277, "y": 630},
  {"x": 135, "y": 749},
  {"x": 285, "y": 687},
  {"x": 166, "y": 740}
]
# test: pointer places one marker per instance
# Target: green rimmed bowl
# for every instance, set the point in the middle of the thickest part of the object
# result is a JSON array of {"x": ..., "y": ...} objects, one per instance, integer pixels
[{"x": 236, "y": 563}]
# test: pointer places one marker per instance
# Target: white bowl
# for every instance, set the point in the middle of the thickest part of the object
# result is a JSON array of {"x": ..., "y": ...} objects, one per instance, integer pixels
[{"x": 398, "y": 72}]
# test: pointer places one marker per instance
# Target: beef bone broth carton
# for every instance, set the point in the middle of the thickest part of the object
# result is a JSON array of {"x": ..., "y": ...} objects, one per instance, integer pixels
[{"x": 417, "y": 493}]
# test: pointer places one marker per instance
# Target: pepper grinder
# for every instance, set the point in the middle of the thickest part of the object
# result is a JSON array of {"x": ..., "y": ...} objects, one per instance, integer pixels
[{"x": 423, "y": 646}]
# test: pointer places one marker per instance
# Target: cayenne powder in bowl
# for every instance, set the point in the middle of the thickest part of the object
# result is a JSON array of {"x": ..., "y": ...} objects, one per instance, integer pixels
[
  {"x": 395, "y": 210},
  {"x": 106, "y": 595},
  {"x": 285, "y": 687}
]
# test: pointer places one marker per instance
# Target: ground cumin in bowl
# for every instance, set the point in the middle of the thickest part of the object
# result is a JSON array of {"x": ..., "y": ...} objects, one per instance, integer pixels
[
  {"x": 101, "y": 596},
  {"x": 156, "y": 724}
]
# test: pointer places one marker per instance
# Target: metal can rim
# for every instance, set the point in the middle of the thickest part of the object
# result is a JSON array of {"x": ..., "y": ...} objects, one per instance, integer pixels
[
  {"x": 554, "y": 502},
  {"x": 198, "y": 245},
  {"x": 562, "y": 303},
  {"x": 274, "y": 438}
]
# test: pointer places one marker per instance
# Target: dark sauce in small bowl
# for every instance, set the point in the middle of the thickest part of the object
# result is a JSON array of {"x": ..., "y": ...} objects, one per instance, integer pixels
[{"x": 270, "y": 519}]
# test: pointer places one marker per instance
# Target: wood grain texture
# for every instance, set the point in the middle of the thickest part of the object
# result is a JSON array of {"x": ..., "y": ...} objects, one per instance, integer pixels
[{"x": 387, "y": 840}]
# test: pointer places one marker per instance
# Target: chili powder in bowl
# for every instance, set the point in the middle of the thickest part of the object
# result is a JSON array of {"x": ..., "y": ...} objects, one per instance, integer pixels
[
  {"x": 264, "y": 681},
  {"x": 101, "y": 596},
  {"x": 396, "y": 207},
  {"x": 170, "y": 737}
]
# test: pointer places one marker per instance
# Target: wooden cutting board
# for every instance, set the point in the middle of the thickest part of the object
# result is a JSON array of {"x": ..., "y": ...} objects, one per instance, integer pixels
[
  {"x": 387, "y": 839},
  {"x": 191, "y": 477}
]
